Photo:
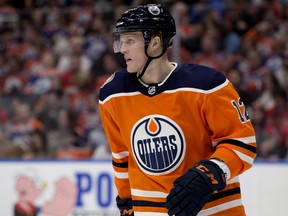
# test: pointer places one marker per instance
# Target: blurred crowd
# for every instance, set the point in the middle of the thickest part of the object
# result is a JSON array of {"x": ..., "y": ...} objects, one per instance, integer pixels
[{"x": 55, "y": 55}]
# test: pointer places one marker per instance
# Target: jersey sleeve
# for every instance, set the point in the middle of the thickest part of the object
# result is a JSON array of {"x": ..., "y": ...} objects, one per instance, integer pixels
[
  {"x": 231, "y": 130},
  {"x": 120, "y": 153}
]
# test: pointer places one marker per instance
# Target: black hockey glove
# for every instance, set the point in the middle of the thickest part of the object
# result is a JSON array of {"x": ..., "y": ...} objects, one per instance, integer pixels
[
  {"x": 193, "y": 190},
  {"x": 125, "y": 206}
]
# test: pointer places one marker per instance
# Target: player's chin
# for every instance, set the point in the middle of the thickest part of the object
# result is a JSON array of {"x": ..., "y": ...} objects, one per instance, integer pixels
[{"x": 131, "y": 69}]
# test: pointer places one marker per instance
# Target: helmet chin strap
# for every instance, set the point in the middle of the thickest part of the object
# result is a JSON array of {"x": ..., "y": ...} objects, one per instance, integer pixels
[{"x": 150, "y": 58}]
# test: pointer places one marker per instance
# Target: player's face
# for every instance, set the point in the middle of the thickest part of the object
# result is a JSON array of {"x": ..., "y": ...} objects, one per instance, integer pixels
[{"x": 132, "y": 46}]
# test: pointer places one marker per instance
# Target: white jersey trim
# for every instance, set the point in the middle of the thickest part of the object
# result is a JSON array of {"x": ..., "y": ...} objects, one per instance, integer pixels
[
  {"x": 200, "y": 90},
  {"x": 150, "y": 214},
  {"x": 168, "y": 91},
  {"x": 224, "y": 167},
  {"x": 219, "y": 208},
  {"x": 152, "y": 194},
  {"x": 161, "y": 83},
  {"x": 206, "y": 212},
  {"x": 244, "y": 157},
  {"x": 120, "y": 155},
  {"x": 118, "y": 95},
  {"x": 250, "y": 139},
  {"x": 233, "y": 180},
  {"x": 122, "y": 175}
]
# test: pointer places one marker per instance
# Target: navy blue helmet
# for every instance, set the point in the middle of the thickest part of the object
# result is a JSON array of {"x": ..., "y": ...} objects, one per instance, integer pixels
[{"x": 148, "y": 19}]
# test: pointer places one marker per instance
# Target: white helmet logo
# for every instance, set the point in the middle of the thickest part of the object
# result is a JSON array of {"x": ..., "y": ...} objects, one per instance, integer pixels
[{"x": 154, "y": 9}]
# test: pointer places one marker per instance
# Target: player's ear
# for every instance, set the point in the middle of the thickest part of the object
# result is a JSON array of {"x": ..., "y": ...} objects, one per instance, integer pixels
[
  {"x": 155, "y": 42},
  {"x": 155, "y": 45}
]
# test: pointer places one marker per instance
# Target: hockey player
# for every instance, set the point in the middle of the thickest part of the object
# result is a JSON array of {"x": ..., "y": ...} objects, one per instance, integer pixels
[{"x": 179, "y": 133}]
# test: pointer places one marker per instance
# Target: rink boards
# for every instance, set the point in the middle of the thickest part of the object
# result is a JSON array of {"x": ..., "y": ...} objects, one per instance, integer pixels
[{"x": 264, "y": 187}]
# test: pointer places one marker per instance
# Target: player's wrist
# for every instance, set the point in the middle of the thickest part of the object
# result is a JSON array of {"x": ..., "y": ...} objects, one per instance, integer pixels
[
  {"x": 223, "y": 166},
  {"x": 213, "y": 174}
]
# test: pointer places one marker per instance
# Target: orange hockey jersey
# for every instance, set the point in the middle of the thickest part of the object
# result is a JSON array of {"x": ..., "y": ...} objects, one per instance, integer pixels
[{"x": 157, "y": 132}]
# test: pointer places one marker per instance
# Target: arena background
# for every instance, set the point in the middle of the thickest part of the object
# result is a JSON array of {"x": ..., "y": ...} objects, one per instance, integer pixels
[{"x": 54, "y": 56}]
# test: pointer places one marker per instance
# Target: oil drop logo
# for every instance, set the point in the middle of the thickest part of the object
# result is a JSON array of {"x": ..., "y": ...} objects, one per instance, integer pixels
[{"x": 158, "y": 144}]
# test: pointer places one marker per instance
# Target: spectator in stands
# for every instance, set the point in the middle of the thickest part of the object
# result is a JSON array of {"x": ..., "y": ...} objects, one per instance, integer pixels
[
  {"x": 89, "y": 127},
  {"x": 7, "y": 149},
  {"x": 281, "y": 72},
  {"x": 2, "y": 63},
  {"x": 21, "y": 130},
  {"x": 61, "y": 138},
  {"x": 270, "y": 85},
  {"x": 104, "y": 68},
  {"x": 82, "y": 12},
  {"x": 252, "y": 71},
  {"x": 97, "y": 38},
  {"x": 209, "y": 54},
  {"x": 8, "y": 15},
  {"x": 246, "y": 40},
  {"x": 261, "y": 36},
  {"x": 236, "y": 77},
  {"x": 76, "y": 44},
  {"x": 48, "y": 109},
  {"x": 267, "y": 141},
  {"x": 13, "y": 81},
  {"x": 70, "y": 77},
  {"x": 3, "y": 114},
  {"x": 42, "y": 73}
]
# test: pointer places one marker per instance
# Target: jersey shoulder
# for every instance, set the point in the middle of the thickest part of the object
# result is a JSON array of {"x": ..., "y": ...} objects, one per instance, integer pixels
[
  {"x": 198, "y": 76},
  {"x": 118, "y": 82}
]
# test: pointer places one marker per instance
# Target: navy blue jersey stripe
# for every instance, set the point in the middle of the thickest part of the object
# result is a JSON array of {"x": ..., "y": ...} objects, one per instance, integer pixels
[
  {"x": 214, "y": 197},
  {"x": 240, "y": 144},
  {"x": 120, "y": 165},
  {"x": 148, "y": 203},
  {"x": 223, "y": 194}
]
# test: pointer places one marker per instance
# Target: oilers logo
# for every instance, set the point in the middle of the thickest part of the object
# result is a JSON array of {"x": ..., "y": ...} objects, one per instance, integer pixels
[{"x": 158, "y": 144}]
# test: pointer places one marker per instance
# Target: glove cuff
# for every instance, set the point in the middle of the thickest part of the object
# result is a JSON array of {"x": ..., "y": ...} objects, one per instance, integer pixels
[
  {"x": 125, "y": 206},
  {"x": 212, "y": 173}
]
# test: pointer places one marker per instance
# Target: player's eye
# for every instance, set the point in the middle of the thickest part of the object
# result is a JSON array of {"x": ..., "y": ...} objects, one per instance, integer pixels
[{"x": 129, "y": 42}]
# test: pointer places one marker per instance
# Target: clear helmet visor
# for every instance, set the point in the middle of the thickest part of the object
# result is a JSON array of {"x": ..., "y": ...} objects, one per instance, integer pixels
[{"x": 127, "y": 40}]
